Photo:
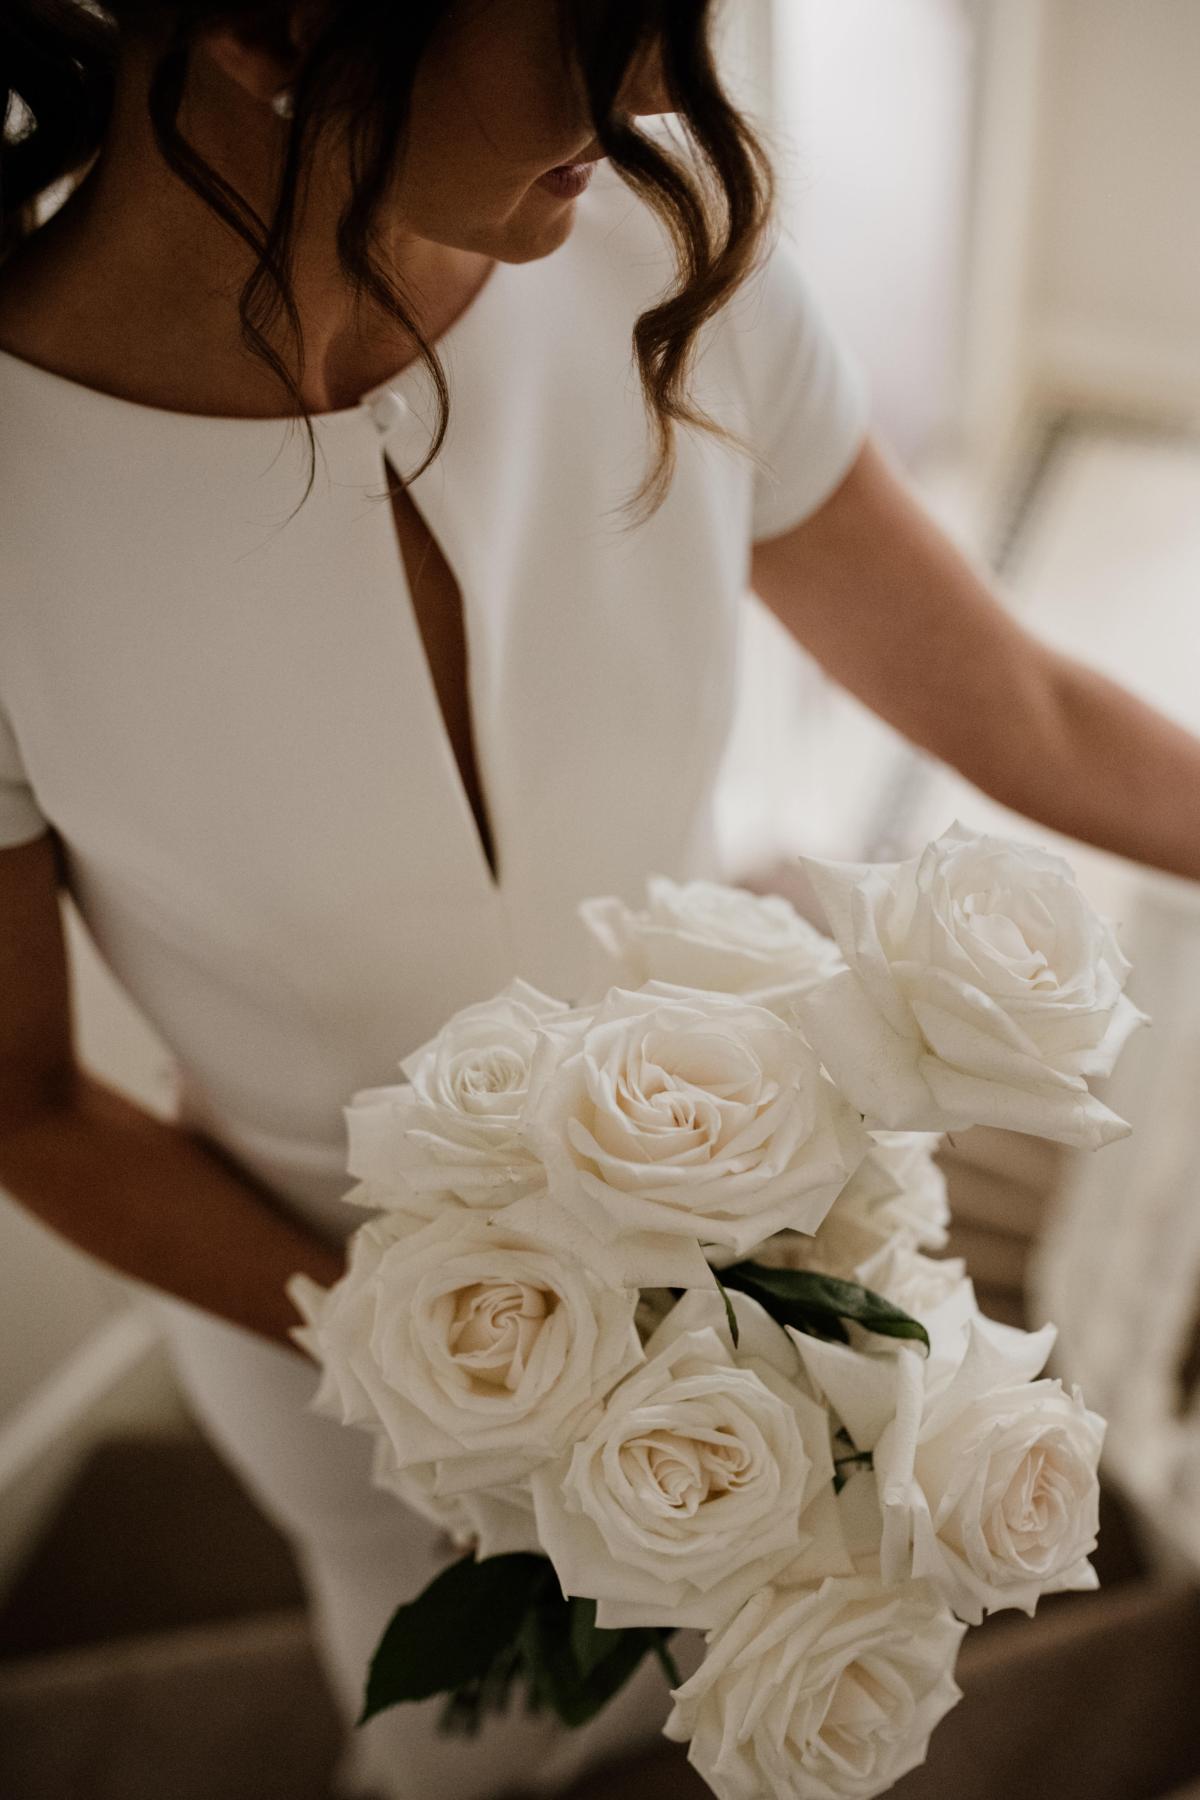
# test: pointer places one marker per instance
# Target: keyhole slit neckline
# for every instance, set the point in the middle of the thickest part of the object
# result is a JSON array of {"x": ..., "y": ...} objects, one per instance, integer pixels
[
  {"x": 397, "y": 443},
  {"x": 481, "y": 822}
]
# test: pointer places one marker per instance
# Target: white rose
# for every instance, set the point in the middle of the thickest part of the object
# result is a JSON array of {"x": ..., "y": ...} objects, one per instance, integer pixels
[
  {"x": 987, "y": 1477},
  {"x": 981, "y": 989},
  {"x": 490, "y": 1521},
  {"x": 918, "y": 1202},
  {"x": 895, "y": 1198},
  {"x": 996, "y": 1496},
  {"x": 922, "y": 1286},
  {"x": 417, "y": 1487},
  {"x": 340, "y": 1390},
  {"x": 452, "y": 1131},
  {"x": 916, "y": 1283},
  {"x": 471, "y": 1345},
  {"x": 858, "y": 1512},
  {"x": 708, "y": 1471},
  {"x": 683, "y": 1119},
  {"x": 700, "y": 934},
  {"x": 935, "y": 1291},
  {"x": 829, "y": 1694}
]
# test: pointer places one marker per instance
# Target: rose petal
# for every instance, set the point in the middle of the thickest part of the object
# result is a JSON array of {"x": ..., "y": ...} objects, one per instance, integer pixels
[
  {"x": 875, "y": 1067},
  {"x": 1079, "y": 1120}
]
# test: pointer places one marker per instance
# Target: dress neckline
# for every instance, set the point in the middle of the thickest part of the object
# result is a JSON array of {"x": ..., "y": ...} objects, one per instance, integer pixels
[{"x": 367, "y": 406}]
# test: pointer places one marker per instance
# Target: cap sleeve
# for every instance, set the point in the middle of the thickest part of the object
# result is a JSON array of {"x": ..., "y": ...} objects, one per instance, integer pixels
[
  {"x": 808, "y": 393},
  {"x": 21, "y": 818}
]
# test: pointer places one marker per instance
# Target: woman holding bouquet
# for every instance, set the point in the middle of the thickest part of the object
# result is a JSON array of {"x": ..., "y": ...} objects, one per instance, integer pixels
[{"x": 327, "y": 732}]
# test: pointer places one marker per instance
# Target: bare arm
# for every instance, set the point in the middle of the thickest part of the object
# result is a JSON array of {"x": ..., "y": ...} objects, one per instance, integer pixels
[
  {"x": 895, "y": 612},
  {"x": 157, "y": 1202},
  {"x": 153, "y": 1200}
]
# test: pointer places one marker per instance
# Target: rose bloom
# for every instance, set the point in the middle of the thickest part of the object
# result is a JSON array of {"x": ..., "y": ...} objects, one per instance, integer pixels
[
  {"x": 452, "y": 1131},
  {"x": 987, "y": 1477},
  {"x": 936, "y": 1291},
  {"x": 895, "y": 1198},
  {"x": 470, "y": 1345},
  {"x": 918, "y": 1202},
  {"x": 490, "y": 1521},
  {"x": 700, "y": 934},
  {"x": 981, "y": 988},
  {"x": 820, "y": 1694},
  {"x": 690, "y": 1119},
  {"x": 707, "y": 1472}
]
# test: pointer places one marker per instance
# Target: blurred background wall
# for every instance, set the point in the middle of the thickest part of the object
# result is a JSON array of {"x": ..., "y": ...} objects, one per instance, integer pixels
[
  {"x": 996, "y": 197},
  {"x": 997, "y": 200},
  {"x": 872, "y": 111}
]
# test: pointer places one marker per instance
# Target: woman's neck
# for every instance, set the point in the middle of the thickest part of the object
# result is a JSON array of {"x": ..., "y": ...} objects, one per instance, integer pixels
[{"x": 132, "y": 285}]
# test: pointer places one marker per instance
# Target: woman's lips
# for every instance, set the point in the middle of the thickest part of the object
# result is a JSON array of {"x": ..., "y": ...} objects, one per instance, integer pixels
[{"x": 568, "y": 180}]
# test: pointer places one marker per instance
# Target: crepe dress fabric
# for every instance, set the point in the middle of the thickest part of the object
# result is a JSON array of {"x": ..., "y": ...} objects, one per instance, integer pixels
[{"x": 222, "y": 706}]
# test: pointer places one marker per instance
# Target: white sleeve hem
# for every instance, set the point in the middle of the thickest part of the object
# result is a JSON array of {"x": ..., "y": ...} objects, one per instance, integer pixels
[
  {"x": 808, "y": 393},
  {"x": 793, "y": 514}
]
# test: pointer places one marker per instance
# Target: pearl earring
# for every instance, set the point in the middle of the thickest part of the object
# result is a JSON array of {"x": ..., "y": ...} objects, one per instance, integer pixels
[{"x": 283, "y": 103}]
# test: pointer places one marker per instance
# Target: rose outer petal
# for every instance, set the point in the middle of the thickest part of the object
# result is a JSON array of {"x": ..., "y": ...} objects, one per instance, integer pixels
[
  {"x": 1076, "y": 1119},
  {"x": 1125, "y": 1021},
  {"x": 876, "y": 1068}
]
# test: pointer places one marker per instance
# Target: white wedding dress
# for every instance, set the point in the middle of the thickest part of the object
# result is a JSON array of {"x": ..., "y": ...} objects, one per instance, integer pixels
[{"x": 228, "y": 718}]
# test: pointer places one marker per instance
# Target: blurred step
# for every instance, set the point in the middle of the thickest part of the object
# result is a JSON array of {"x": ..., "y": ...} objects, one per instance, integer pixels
[
  {"x": 157, "y": 1648},
  {"x": 996, "y": 1261},
  {"x": 1091, "y": 1700},
  {"x": 1030, "y": 1165},
  {"x": 235, "y": 1709},
  {"x": 154, "y": 1533},
  {"x": 1001, "y": 1186}
]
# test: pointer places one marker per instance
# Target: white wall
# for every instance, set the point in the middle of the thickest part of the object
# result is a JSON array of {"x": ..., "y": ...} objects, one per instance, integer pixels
[
  {"x": 875, "y": 98},
  {"x": 1116, "y": 292},
  {"x": 868, "y": 106},
  {"x": 1006, "y": 141}
]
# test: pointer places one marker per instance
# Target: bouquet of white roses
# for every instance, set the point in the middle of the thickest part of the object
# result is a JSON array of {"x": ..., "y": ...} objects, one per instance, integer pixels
[{"x": 645, "y": 1314}]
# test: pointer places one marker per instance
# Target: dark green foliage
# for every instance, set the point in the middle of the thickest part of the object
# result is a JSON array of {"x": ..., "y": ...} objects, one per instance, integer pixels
[
  {"x": 819, "y": 1305},
  {"x": 480, "y": 1628}
]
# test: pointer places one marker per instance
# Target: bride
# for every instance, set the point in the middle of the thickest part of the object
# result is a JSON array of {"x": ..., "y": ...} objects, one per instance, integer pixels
[{"x": 343, "y": 651}]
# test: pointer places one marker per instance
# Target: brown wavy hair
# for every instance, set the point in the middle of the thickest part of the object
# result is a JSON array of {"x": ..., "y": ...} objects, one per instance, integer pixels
[{"x": 59, "y": 58}]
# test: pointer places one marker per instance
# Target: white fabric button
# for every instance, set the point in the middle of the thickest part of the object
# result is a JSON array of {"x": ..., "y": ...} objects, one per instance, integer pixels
[{"x": 387, "y": 409}]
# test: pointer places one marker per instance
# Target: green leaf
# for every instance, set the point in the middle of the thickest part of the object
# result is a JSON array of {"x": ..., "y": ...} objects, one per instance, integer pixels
[
  {"x": 480, "y": 1628},
  {"x": 818, "y": 1304},
  {"x": 574, "y": 1666},
  {"x": 730, "y": 1315},
  {"x": 453, "y": 1632},
  {"x": 589, "y": 1644},
  {"x": 670, "y": 1667},
  {"x": 813, "y": 1324},
  {"x": 465, "y": 1708}
]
